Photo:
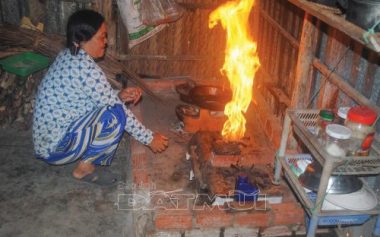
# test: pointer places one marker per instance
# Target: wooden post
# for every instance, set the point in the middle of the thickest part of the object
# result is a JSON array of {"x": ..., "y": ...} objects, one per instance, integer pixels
[
  {"x": 105, "y": 7},
  {"x": 304, "y": 64}
]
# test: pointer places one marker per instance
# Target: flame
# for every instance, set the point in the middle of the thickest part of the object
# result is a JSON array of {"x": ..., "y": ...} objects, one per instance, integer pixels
[{"x": 240, "y": 65}]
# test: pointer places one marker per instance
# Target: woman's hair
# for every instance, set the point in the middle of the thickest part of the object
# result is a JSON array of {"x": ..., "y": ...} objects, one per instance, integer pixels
[{"x": 81, "y": 27}]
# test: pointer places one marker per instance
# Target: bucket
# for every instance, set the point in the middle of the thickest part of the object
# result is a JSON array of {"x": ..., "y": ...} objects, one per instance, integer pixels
[{"x": 364, "y": 13}]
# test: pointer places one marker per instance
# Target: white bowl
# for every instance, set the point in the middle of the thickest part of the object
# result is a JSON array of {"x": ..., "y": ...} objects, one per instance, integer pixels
[{"x": 362, "y": 200}]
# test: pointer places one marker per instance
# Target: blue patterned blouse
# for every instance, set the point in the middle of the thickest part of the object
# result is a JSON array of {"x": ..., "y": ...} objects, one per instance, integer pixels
[{"x": 73, "y": 87}]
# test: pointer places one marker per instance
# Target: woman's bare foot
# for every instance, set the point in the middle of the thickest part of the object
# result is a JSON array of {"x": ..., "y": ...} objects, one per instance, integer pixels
[{"x": 83, "y": 169}]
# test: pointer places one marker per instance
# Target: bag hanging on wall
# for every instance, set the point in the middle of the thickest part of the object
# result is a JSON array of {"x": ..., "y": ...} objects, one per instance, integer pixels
[
  {"x": 131, "y": 15},
  {"x": 157, "y": 12}
]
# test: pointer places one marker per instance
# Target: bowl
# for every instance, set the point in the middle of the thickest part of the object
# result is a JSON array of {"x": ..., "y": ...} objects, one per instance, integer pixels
[{"x": 341, "y": 184}]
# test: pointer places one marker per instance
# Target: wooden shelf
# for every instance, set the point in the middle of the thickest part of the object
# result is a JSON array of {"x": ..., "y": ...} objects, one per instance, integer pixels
[{"x": 329, "y": 16}]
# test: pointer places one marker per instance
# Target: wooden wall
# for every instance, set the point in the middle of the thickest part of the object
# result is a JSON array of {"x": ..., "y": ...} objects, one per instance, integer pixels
[
  {"x": 303, "y": 59},
  {"x": 312, "y": 64}
]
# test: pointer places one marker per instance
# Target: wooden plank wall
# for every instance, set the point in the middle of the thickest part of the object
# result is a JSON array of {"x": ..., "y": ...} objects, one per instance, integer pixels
[
  {"x": 184, "y": 49},
  {"x": 278, "y": 34},
  {"x": 335, "y": 57}
]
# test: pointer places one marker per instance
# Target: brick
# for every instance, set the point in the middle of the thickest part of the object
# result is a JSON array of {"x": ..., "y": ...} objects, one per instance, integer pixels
[
  {"x": 203, "y": 233},
  {"x": 137, "y": 148},
  {"x": 253, "y": 219},
  {"x": 141, "y": 178},
  {"x": 287, "y": 213},
  {"x": 173, "y": 219},
  {"x": 140, "y": 161},
  {"x": 277, "y": 231},
  {"x": 241, "y": 232},
  {"x": 224, "y": 160},
  {"x": 213, "y": 218},
  {"x": 165, "y": 234}
]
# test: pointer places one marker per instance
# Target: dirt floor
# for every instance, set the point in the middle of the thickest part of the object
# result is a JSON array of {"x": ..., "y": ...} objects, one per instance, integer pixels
[{"x": 37, "y": 199}]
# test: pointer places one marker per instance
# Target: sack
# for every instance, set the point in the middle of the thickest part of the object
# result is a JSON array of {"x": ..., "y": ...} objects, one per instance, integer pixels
[
  {"x": 137, "y": 31},
  {"x": 156, "y": 12}
]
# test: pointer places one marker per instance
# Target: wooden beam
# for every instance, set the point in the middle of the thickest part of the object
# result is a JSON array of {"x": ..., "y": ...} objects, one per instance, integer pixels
[
  {"x": 344, "y": 86},
  {"x": 328, "y": 15},
  {"x": 304, "y": 62},
  {"x": 293, "y": 41}
]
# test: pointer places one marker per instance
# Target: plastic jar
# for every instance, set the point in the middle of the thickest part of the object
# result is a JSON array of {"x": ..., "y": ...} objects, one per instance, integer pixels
[
  {"x": 326, "y": 117},
  {"x": 360, "y": 120},
  {"x": 342, "y": 115},
  {"x": 337, "y": 140}
]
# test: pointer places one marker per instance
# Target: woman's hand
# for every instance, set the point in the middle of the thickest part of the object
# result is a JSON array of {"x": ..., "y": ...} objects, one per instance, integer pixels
[
  {"x": 130, "y": 94},
  {"x": 159, "y": 143}
]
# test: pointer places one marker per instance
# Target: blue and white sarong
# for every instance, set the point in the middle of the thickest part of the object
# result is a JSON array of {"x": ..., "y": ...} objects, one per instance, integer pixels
[{"x": 93, "y": 138}]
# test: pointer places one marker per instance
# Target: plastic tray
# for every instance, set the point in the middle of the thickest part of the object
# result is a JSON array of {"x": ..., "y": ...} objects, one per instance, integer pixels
[{"x": 24, "y": 64}]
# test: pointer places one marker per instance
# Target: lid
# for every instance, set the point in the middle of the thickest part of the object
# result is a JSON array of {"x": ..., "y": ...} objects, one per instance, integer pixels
[
  {"x": 362, "y": 114},
  {"x": 327, "y": 115},
  {"x": 338, "y": 131},
  {"x": 343, "y": 111}
]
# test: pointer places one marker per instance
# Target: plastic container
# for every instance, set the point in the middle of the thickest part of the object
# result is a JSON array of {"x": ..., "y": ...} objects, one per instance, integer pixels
[
  {"x": 244, "y": 190},
  {"x": 337, "y": 140},
  {"x": 326, "y": 117},
  {"x": 24, "y": 64},
  {"x": 342, "y": 115},
  {"x": 360, "y": 120}
]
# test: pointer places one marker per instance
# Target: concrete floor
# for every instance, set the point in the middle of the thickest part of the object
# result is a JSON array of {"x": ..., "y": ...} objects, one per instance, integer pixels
[{"x": 37, "y": 199}]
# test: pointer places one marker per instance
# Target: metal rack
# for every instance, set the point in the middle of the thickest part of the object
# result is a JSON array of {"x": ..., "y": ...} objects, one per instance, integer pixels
[{"x": 302, "y": 122}]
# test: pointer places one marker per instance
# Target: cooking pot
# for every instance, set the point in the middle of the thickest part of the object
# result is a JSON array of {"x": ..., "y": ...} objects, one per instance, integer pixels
[
  {"x": 183, "y": 111},
  {"x": 205, "y": 96},
  {"x": 210, "y": 97},
  {"x": 341, "y": 184}
]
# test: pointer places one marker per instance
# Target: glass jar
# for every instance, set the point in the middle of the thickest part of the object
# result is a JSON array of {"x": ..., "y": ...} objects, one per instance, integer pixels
[
  {"x": 326, "y": 117},
  {"x": 337, "y": 140},
  {"x": 342, "y": 115},
  {"x": 360, "y": 120}
]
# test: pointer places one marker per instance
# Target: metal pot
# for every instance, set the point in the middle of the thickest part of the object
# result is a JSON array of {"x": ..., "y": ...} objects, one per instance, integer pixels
[
  {"x": 183, "y": 111},
  {"x": 210, "y": 97},
  {"x": 341, "y": 184}
]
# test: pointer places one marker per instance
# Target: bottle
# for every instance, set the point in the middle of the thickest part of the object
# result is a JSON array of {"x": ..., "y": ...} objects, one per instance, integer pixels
[
  {"x": 360, "y": 119},
  {"x": 244, "y": 190},
  {"x": 342, "y": 115},
  {"x": 337, "y": 140},
  {"x": 326, "y": 117}
]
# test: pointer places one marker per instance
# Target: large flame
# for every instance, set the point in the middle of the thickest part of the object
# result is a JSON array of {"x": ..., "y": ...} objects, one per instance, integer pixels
[{"x": 240, "y": 65}]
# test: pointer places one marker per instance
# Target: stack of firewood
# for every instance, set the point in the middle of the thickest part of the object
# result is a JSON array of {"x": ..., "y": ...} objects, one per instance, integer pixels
[
  {"x": 16, "y": 99},
  {"x": 16, "y": 94}
]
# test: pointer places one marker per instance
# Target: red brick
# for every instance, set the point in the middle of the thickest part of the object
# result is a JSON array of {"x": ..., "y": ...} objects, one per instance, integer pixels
[
  {"x": 141, "y": 177},
  {"x": 213, "y": 218},
  {"x": 224, "y": 160},
  {"x": 253, "y": 219},
  {"x": 287, "y": 213},
  {"x": 140, "y": 161},
  {"x": 173, "y": 219}
]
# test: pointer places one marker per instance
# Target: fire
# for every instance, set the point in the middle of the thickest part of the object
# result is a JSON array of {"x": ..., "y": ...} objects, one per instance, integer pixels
[{"x": 240, "y": 64}]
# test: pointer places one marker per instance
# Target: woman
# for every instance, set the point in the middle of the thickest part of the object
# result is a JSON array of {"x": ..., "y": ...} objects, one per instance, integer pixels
[{"x": 77, "y": 113}]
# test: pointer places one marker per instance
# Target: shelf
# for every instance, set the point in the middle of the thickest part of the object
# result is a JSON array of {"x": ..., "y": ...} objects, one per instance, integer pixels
[
  {"x": 305, "y": 121},
  {"x": 329, "y": 16},
  {"x": 308, "y": 204}
]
